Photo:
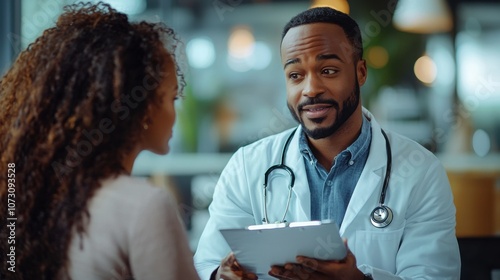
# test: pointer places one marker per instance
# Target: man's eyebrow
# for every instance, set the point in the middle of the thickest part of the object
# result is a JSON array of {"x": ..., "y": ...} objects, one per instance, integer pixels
[
  {"x": 328, "y": 56},
  {"x": 291, "y": 61},
  {"x": 319, "y": 57}
]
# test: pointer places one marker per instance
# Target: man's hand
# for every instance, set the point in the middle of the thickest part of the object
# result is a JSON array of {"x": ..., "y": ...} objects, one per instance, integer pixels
[
  {"x": 230, "y": 269},
  {"x": 314, "y": 269}
]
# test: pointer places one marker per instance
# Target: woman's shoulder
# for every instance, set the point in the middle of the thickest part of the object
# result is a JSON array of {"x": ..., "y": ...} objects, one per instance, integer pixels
[
  {"x": 132, "y": 192},
  {"x": 131, "y": 184},
  {"x": 124, "y": 212}
]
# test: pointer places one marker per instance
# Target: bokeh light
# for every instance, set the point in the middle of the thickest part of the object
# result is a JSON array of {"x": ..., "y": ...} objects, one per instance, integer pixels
[
  {"x": 200, "y": 53},
  {"x": 425, "y": 69}
]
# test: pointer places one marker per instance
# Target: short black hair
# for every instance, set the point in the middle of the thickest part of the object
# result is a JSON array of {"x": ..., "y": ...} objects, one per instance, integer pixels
[{"x": 329, "y": 15}]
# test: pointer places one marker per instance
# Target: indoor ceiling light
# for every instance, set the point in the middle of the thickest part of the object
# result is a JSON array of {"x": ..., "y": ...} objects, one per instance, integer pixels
[
  {"x": 425, "y": 70},
  {"x": 423, "y": 16},
  {"x": 241, "y": 42},
  {"x": 339, "y": 5}
]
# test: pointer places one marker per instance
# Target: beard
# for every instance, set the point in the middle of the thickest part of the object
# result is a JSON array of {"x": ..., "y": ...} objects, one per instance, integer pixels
[{"x": 348, "y": 107}]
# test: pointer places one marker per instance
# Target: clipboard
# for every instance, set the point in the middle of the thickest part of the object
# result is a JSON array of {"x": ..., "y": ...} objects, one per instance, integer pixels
[{"x": 258, "y": 247}]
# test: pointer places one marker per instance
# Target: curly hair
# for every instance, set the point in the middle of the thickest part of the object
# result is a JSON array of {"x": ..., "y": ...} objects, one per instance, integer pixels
[{"x": 72, "y": 104}]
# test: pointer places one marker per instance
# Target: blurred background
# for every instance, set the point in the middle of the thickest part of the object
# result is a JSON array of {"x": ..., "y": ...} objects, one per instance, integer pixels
[{"x": 434, "y": 76}]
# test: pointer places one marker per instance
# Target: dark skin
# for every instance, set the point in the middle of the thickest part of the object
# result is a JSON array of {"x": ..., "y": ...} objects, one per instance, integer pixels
[
  {"x": 230, "y": 269},
  {"x": 160, "y": 120},
  {"x": 318, "y": 66},
  {"x": 314, "y": 269}
]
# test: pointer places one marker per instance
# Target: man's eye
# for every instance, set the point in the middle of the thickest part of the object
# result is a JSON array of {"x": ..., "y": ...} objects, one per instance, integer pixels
[
  {"x": 329, "y": 71},
  {"x": 293, "y": 76}
]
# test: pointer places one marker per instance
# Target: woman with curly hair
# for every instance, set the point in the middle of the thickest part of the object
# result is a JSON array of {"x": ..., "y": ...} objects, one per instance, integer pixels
[{"x": 78, "y": 105}]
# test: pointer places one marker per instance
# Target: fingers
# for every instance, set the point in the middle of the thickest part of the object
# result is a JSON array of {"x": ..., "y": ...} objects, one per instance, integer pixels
[
  {"x": 229, "y": 259},
  {"x": 326, "y": 266},
  {"x": 345, "y": 268},
  {"x": 281, "y": 272},
  {"x": 250, "y": 276},
  {"x": 230, "y": 269},
  {"x": 241, "y": 274},
  {"x": 294, "y": 271}
]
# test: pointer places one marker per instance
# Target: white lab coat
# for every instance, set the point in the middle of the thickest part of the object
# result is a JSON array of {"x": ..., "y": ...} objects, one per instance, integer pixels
[{"x": 420, "y": 243}]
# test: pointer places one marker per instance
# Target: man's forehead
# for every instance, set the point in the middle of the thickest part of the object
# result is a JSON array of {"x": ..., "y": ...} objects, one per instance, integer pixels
[
  {"x": 326, "y": 37},
  {"x": 311, "y": 29}
]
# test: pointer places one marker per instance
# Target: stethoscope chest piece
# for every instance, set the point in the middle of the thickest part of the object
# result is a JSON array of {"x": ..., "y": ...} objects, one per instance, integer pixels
[{"x": 381, "y": 216}]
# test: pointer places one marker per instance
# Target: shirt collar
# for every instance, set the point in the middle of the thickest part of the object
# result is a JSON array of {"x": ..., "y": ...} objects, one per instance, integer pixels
[
  {"x": 304, "y": 148},
  {"x": 355, "y": 150},
  {"x": 360, "y": 145}
]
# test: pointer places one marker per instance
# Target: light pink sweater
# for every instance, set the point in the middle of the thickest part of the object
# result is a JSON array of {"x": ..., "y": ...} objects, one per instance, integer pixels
[{"x": 134, "y": 231}]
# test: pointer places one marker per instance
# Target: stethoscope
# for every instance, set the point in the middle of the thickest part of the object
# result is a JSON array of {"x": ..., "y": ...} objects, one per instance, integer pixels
[{"x": 380, "y": 217}]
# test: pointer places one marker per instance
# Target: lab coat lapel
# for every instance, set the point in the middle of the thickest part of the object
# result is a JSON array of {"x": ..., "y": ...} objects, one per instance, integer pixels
[
  {"x": 301, "y": 189},
  {"x": 370, "y": 181}
]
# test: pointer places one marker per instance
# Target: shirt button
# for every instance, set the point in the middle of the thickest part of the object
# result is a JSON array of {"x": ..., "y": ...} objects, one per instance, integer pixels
[
  {"x": 329, "y": 183},
  {"x": 351, "y": 162}
]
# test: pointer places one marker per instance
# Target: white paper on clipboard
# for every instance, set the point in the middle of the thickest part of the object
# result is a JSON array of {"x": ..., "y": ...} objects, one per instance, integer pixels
[{"x": 257, "y": 249}]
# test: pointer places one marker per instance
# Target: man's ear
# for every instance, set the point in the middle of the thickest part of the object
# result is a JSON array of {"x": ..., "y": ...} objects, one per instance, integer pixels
[{"x": 361, "y": 71}]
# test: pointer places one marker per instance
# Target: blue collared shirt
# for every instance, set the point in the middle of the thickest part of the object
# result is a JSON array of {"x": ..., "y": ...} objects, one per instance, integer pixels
[{"x": 332, "y": 191}]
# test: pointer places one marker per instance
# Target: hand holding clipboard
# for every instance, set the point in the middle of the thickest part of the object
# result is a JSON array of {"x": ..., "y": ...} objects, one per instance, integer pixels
[{"x": 257, "y": 248}]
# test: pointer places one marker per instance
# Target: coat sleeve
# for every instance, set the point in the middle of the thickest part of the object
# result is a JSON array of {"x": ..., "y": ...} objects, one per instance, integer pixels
[
  {"x": 230, "y": 208},
  {"x": 429, "y": 248}
]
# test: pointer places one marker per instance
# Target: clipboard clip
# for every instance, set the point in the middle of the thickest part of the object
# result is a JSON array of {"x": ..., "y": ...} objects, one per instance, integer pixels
[
  {"x": 293, "y": 224},
  {"x": 267, "y": 226}
]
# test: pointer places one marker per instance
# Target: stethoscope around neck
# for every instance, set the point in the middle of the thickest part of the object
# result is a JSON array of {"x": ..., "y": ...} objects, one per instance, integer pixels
[{"x": 380, "y": 217}]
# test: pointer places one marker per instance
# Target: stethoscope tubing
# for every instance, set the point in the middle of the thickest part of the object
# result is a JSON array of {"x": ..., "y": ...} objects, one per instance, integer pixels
[
  {"x": 377, "y": 218},
  {"x": 282, "y": 166},
  {"x": 388, "y": 169}
]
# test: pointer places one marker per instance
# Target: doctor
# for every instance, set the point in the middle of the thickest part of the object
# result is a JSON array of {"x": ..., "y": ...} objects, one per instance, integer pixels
[{"x": 340, "y": 160}]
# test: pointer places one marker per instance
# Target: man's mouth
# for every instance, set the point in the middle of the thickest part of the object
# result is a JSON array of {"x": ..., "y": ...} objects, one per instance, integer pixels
[{"x": 316, "y": 111}]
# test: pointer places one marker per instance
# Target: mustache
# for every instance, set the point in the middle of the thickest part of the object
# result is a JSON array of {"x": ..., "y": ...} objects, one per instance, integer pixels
[{"x": 316, "y": 100}]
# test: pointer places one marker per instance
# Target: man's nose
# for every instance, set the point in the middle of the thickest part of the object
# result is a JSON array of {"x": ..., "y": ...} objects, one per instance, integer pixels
[{"x": 313, "y": 86}]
